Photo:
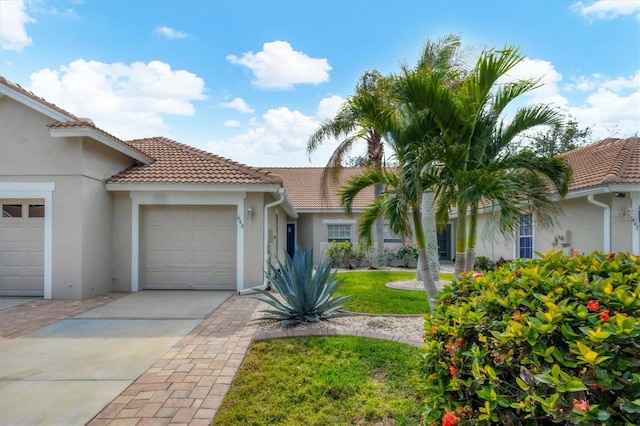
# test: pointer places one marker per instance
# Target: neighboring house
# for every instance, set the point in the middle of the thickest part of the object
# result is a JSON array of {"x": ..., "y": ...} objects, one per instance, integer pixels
[
  {"x": 600, "y": 212},
  {"x": 85, "y": 213}
]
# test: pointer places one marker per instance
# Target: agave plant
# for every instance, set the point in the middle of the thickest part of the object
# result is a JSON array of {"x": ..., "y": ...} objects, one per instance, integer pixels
[{"x": 305, "y": 296}]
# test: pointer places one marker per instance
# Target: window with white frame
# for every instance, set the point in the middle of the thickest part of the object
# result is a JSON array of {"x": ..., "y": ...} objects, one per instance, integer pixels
[
  {"x": 338, "y": 232},
  {"x": 525, "y": 237}
]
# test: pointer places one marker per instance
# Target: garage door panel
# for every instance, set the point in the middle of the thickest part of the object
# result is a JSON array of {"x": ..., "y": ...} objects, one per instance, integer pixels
[
  {"x": 203, "y": 235},
  {"x": 22, "y": 253},
  {"x": 156, "y": 235},
  {"x": 13, "y": 234},
  {"x": 12, "y": 259},
  {"x": 197, "y": 252}
]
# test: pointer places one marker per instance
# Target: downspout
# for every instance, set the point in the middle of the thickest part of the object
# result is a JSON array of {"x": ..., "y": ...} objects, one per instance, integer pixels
[
  {"x": 265, "y": 239},
  {"x": 606, "y": 223}
]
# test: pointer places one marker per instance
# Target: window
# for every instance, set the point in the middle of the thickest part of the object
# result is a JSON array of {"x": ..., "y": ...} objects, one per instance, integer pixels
[
  {"x": 36, "y": 210},
  {"x": 12, "y": 210},
  {"x": 389, "y": 236},
  {"x": 525, "y": 237},
  {"x": 339, "y": 233}
]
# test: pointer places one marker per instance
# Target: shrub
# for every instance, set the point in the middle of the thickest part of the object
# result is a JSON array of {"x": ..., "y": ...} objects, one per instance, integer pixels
[
  {"x": 538, "y": 341},
  {"x": 483, "y": 263},
  {"x": 304, "y": 295},
  {"x": 343, "y": 255},
  {"x": 501, "y": 262},
  {"x": 408, "y": 255}
]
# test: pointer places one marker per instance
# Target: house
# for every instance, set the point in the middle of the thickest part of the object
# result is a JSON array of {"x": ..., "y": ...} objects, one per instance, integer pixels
[
  {"x": 85, "y": 213},
  {"x": 600, "y": 212}
]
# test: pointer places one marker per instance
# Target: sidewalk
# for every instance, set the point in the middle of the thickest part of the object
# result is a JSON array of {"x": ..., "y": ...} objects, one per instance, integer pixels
[{"x": 188, "y": 383}]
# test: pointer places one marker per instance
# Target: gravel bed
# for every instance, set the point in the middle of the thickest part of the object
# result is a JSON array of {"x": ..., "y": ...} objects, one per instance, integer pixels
[{"x": 406, "y": 327}]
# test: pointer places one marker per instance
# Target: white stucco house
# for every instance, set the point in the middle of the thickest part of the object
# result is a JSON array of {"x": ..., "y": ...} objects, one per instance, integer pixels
[
  {"x": 85, "y": 213},
  {"x": 601, "y": 212}
]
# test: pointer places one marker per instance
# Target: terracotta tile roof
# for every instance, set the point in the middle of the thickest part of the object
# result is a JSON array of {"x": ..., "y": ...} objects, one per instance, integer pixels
[
  {"x": 609, "y": 161},
  {"x": 31, "y": 95},
  {"x": 304, "y": 186},
  {"x": 82, "y": 122},
  {"x": 179, "y": 163}
]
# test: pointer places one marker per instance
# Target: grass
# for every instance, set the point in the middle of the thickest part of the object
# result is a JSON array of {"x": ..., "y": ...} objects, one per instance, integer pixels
[
  {"x": 370, "y": 294},
  {"x": 339, "y": 380}
]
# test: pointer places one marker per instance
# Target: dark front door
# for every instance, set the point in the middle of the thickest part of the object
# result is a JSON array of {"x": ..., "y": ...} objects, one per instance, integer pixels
[
  {"x": 291, "y": 238},
  {"x": 444, "y": 243}
]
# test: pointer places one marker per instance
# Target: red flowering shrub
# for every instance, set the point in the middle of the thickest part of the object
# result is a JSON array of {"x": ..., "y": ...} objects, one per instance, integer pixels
[{"x": 552, "y": 340}]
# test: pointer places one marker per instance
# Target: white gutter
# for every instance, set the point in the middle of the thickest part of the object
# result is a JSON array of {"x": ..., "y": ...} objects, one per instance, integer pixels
[
  {"x": 606, "y": 222},
  {"x": 265, "y": 239}
]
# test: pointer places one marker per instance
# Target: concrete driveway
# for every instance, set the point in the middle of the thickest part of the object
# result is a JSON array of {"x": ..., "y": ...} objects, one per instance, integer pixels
[{"x": 67, "y": 372}]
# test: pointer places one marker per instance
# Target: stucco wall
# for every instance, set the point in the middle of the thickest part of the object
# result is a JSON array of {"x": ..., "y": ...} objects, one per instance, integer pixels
[
  {"x": 253, "y": 244},
  {"x": 121, "y": 239},
  {"x": 81, "y": 207},
  {"x": 580, "y": 227}
]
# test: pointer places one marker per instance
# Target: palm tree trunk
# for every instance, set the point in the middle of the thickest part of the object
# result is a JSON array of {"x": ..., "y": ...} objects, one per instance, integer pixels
[
  {"x": 470, "y": 255},
  {"x": 461, "y": 242},
  {"x": 423, "y": 260},
  {"x": 427, "y": 279},
  {"x": 430, "y": 232}
]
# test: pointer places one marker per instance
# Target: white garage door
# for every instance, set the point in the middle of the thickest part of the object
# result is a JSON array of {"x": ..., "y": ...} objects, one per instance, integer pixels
[
  {"x": 22, "y": 248},
  {"x": 188, "y": 247}
]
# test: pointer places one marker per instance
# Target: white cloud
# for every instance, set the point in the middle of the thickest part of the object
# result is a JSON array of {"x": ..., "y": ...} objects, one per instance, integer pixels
[
  {"x": 239, "y": 105},
  {"x": 232, "y": 123},
  {"x": 329, "y": 107},
  {"x": 128, "y": 101},
  {"x": 170, "y": 33},
  {"x": 279, "y": 138},
  {"x": 612, "y": 108},
  {"x": 13, "y": 20},
  {"x": 607, "y": 9},
  {"x": 548, "y": 92},
  {"x": 280, "y": 67}
]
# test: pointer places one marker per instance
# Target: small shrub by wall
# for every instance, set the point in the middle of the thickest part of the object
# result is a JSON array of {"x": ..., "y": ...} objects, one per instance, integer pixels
[{"x": 551, "y": 340}]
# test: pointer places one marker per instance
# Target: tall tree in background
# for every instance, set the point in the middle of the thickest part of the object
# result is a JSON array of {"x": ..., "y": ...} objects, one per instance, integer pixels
[
  {"x": 560, "y": 138},
  {"x": 357, "y": 120}
]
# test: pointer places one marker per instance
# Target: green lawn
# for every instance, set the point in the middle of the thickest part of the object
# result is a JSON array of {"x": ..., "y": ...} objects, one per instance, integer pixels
[
  {"x": 370, "y": 294},
  {"x": 340, "y": 380}
]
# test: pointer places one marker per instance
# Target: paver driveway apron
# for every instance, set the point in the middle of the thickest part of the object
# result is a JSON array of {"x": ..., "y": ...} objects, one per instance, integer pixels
[{"x": 65, "y": 373}]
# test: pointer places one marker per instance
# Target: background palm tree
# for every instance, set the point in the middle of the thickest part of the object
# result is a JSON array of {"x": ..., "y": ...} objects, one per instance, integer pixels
[{"x": 357, "y": 120}]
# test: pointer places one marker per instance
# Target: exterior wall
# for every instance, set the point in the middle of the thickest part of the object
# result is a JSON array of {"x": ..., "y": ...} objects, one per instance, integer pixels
[
  {"x": 491, "y": 242},
  {"x": 121, "y": 240},
  {"x": 80, "y": 208},
  {"x": 253, "y": 244},
  {"x": 579, "y": 228}
]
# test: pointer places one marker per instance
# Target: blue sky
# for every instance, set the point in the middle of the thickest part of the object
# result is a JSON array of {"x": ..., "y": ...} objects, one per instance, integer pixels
[{"x": 251, "y": 80}]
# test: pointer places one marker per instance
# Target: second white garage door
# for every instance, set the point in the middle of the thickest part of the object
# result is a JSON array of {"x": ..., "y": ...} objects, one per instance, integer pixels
[{"x": 188, "y": 247}]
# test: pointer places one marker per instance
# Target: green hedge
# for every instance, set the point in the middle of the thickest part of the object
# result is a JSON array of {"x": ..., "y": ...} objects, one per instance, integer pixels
[{"x": 554, "y": 339}]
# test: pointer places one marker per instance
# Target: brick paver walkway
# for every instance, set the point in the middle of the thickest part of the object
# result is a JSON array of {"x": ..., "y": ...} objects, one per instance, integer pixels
[
  {"x": 188, "y": 383},
  {"x": 38, "y": 313}
]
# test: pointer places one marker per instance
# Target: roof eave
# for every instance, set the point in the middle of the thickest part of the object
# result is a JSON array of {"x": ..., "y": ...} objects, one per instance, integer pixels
[
  {"x": 197, "y": 187},
  {"x": 95, "y": 134},
  {"x": 35, "y": 104}
]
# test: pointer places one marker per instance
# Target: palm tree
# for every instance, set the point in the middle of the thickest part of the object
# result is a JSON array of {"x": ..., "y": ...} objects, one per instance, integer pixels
[
  {"x": 400, "y": 204},
  {"x": 476, "y": 169},
  {"x": 357, "y": 120}
]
